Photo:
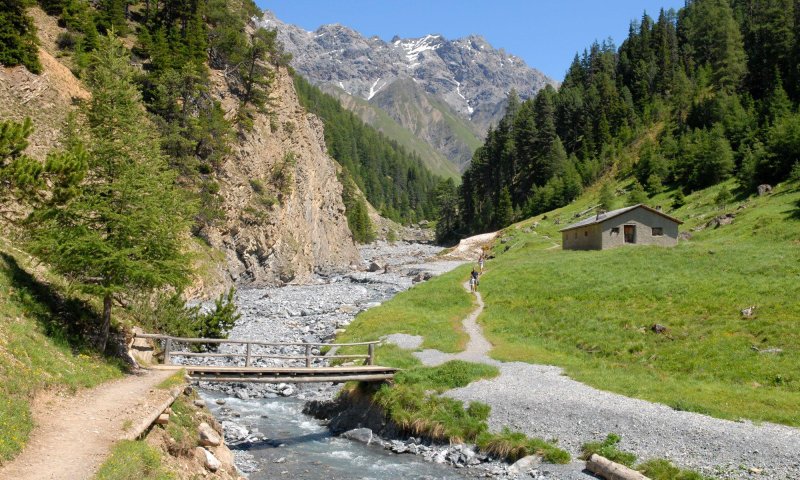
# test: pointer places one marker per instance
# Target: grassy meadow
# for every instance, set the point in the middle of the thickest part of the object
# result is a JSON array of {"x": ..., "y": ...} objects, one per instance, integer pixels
[
  {"x": 432, "y": 309},
  {"x": 591, "y": 312}
]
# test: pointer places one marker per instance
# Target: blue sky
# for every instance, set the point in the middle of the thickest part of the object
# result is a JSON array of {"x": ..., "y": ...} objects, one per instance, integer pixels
[{"x": 546, "y": 34}]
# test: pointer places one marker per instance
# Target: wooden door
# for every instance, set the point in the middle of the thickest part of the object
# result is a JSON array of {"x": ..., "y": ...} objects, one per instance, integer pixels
[{"x": 630, "y": 233}]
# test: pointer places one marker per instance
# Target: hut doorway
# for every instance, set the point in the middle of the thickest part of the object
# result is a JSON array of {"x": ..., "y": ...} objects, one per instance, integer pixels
[{"x": 630, "y": 233}]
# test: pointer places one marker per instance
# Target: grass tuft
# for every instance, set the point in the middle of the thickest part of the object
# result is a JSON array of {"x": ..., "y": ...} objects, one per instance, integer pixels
[
  {"x": 174, "y": 380},
  {"x": 453, "y": 374},
  {"x": 131, "y": 460},
  {"x": 609, "y": 449},
  {"x": 512, "y": 446},
  {"x": 660, "y": 469}
]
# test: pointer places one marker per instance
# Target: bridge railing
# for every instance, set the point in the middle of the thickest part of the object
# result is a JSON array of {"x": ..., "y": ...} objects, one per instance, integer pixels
[{"x": 170, "y": 344}]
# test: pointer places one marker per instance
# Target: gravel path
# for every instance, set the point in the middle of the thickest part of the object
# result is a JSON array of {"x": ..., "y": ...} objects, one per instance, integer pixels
[
  {"x": 75, "y": 434},
  {"x": 541, "y": 401}
]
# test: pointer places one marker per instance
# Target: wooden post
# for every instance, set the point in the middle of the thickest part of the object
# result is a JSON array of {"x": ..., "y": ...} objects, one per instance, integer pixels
[
  {"x": 308, "y": 355},
  {"x": 371, "y": 359},
  {"x": 168, "y": 351},
  {"x": 248, "y": 360}
]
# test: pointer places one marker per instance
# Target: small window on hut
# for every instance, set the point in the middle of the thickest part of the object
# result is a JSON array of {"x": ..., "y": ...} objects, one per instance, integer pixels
[
  {"x": 614, "y": 230},
  {"x": 586, "y": 233},
  {"x": 658, "y": 231}
]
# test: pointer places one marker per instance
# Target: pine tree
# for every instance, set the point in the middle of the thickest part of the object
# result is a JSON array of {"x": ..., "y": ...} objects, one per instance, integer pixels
[
  {"x": 446, "y": 199},
  {"x": 607, "y": 200},
  {"x": 121, "y": 229},
  {"x": 637, "y": 195},
  {"x": 18, "y": 172},
  {"x": 18, "y": 37},
  {"x": 714, "y": 39},
  {"x": 256, "y": 77},
  {"x": 505, "y": 209}
]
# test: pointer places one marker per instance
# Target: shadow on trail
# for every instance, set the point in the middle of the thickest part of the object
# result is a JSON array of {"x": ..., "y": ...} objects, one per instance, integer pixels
[{"x": 65, "y": 319}]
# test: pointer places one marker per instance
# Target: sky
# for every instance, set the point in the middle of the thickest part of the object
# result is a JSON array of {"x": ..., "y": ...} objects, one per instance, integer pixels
[{"x": 544, "y": 33}]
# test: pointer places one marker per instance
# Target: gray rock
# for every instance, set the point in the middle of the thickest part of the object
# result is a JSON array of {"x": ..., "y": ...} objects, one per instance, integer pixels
[
  {"x": 209, "y": 461},
  {"x": 525, "y": 465},
  {"x": 208, "y": 436},
  {"x": 375, "y": 267},
  {"x": 362, "y": 435}
]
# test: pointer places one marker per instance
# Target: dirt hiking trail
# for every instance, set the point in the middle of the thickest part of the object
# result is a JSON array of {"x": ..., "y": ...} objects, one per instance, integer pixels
[{"x": 74, "y": 434}]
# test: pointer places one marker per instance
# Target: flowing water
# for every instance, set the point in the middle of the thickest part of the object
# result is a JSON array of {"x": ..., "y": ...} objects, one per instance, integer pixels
[
  {"x": 298, "y": 446},
  {"x": 284, "y": 442}
]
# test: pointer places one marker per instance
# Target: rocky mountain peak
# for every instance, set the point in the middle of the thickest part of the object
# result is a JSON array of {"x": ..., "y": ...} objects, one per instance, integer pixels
[
  {"x": 467, "y": 79},
  {"x": 467, "y": 73}
]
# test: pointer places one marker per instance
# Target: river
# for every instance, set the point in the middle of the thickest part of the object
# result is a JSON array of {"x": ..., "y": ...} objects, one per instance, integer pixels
[{"x": 264, "y": 424}]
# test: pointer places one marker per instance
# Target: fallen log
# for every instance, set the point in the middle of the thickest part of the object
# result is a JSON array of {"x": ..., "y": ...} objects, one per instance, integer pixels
[
  {"x": 153, "y": 417},
  {"x": 609, "y": 470}
]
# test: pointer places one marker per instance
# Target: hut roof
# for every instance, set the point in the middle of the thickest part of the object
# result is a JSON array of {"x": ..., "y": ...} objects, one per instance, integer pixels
[{"x": 602, "y": 217}]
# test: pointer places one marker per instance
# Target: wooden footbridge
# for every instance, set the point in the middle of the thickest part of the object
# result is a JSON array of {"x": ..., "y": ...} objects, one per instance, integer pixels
[{"x": 307, "y": 370}]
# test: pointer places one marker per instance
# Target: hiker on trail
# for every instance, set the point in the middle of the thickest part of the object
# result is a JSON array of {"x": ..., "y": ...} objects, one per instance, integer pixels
[
  {"x": 473, "y": 280},
  {"x": 481, "y": 261}
]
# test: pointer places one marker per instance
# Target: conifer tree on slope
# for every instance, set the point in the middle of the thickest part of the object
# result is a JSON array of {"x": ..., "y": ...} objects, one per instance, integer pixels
[
  {"x": 17, "y": 37},
  {"x": 120, "y": 228}
]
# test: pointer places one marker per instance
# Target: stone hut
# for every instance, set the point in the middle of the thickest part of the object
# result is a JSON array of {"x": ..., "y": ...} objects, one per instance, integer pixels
[{"x": 636, "y": 225}]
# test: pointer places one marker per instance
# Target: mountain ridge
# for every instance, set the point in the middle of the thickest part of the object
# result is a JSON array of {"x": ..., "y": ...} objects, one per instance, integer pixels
[{"x": 470, "y": 76}]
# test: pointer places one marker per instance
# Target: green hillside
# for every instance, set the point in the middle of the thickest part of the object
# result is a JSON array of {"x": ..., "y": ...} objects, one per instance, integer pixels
[
  {"x": 709, "y": 92},
  {"x": 378, "y": 118},
  {"x": 394, "y": 180},
  {"x": 591, "y": 312}
]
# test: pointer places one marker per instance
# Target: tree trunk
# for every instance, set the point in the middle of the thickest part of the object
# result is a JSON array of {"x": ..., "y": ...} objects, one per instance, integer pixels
[{"x": 106, "y": 327}]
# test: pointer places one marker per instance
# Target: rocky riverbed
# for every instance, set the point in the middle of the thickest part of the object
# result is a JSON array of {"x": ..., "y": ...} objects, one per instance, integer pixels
[
  {"x": 264, "y": 423},
  {"x": 315, "y": 312}
]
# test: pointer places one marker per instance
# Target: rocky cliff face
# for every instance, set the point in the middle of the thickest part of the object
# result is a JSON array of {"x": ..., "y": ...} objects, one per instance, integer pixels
[
  {"x": 468, "y": 76},
  {"x": 269, "y": 234},
  {"x": 285, "y": 218}
]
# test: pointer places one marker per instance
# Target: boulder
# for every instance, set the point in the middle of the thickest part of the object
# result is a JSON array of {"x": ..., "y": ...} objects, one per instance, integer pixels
[
  {"x": 288, "y": 391},
  {"x": 721, "y": 220},
  {"x": 749, "y": 311},
  {"x": 234, "y": 433},
  {"x": 525, "y": 465},
  {"x": 374, "y": 267},
  {"x": 199, "y": 403},
  {"x": 658, "y": 328},
  {"x": 361, "y": 435},
  {"x": 209, "y": 461},
  {"x": 764, "y": 189},
  {"x": 208, "y": 436},
  {"x": 163, "y": 419},
  {"x": 224, "y": 455}
]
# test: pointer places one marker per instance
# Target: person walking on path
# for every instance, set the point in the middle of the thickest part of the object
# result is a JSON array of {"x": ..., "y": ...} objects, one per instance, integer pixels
[
  {"x": 473, "y": 280},
  {"x": 481, "y": 261}
]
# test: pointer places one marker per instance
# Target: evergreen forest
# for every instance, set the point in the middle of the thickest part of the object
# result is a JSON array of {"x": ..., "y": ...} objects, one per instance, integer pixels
[
  {"x": 689, "y": 99},
  {"x": 394, "y": 180}
]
